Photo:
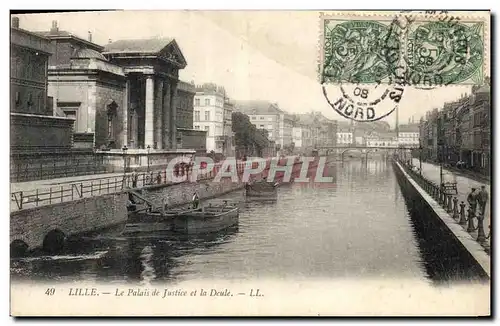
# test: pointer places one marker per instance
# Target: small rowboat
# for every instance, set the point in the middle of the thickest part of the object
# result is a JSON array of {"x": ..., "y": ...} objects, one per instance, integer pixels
[
  {"x": 188, "y": 221},
  {"x": 209, "y": 219},
  {"x": 262, "y": 190}
]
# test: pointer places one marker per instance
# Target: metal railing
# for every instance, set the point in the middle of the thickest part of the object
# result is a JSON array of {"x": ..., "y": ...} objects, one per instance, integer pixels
[
  {"x": 73, "y": 191},
  {"x": 463, "y": 213}
]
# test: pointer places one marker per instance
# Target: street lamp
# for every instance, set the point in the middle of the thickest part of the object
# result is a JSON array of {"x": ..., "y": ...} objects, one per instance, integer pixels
[
  {"x": 420, "y": 157},
  {"x": 149, "y": 149},
  {"x": 124, "y": 149}
]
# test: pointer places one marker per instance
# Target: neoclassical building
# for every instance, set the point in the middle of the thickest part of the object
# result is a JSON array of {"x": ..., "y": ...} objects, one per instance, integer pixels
[
  {"x": 125, "y": 93},
  {"x": 151, "y": 69}
]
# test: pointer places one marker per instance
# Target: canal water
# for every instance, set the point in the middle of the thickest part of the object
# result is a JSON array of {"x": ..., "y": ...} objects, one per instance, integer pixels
[{"x": 358, "y": 226}]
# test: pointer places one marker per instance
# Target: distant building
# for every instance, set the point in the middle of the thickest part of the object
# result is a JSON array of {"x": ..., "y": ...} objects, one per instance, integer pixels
[
  {"x": 212, "y": 113},
  {"x": 345, "y": 134},
  {"x": 408, "y": 135},
  {"x": 33, "y": 126},
  {"x": 268, "y": 116},
  {"x": 228, "y": 145},
  {"x": 382, "y": 140},
  {"x": 316, "y": 130},
  {"x": 187, "y": 136}
]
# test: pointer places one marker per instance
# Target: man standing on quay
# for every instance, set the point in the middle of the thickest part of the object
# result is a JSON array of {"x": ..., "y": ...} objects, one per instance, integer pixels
[
  {"x": 472, "y": 200},
  {"x": 482, "y": 199}
]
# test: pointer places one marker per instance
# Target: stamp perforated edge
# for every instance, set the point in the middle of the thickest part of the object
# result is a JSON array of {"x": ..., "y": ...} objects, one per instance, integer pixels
[{"x": 484, "y": 16}]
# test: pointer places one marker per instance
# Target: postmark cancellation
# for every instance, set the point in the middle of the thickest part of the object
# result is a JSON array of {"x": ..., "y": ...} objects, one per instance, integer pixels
[{"x": 373, "y": 56}]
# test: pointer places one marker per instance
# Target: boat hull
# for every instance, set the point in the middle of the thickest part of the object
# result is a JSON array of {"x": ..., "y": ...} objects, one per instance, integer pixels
[
  {"x": 262, "y": 190},
  {"x": 205, "y": 222}
]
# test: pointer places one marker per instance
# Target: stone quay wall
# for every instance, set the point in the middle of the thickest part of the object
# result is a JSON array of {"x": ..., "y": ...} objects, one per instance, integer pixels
[
  {"x": 447, "y": 245},
  {"x": 29, "y": 227},
  {"x": 84, "y": 215}
]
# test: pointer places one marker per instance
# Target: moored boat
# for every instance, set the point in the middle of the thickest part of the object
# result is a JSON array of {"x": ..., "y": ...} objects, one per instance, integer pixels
[
  {"x": 262, "y": 189},
  {"x": 208, "y": 219},
  {"x": 147, "y": 222}
]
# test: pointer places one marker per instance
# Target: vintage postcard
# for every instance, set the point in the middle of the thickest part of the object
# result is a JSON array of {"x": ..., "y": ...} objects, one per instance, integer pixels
[{"x": 250, "y": 163}]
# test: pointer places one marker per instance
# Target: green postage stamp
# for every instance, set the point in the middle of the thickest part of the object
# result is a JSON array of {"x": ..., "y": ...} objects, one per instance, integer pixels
[{"x": 423, "y": 49}]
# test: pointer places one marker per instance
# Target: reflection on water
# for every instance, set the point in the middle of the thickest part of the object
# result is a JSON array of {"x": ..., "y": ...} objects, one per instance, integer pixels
[{"x": 358, "y": 225}]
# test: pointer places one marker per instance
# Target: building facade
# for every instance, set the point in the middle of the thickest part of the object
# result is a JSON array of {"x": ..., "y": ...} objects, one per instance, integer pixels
[
  {"x": 126, "y": 93},
  {"x": 460, "y": 131},
  {"x": 408, "y": 135},
  {"x": 33, "y": 126},
  {"x": 228, "y": 134},
  {"x": 212, "y": 113},
  {"x": 382, "y": 140},
  {"x": 187, "y": 136}
]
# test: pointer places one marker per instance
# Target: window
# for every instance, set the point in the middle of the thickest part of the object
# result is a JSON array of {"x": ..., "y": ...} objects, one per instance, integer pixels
[
  {"x": 207, "y": 129},
  {"x": 197, "y": 102},
  {"x": 196, "y": 115},
  {"x": 197, "y": 127},
  {"x": 261, "y": 118},
  {"x": 270, "y": 119},
  {"x": 253, "y": 118},
  {"x": 30, "y": 100},
  {"x": 261, "y": 126},
  {"x": 269, "y": 126},
  {"x": 207, "y": 102},
  {"x": 207, "y": 115}
]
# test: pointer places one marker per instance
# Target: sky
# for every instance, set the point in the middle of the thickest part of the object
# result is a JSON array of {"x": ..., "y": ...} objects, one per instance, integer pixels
[{"x": 264, "y": 55}]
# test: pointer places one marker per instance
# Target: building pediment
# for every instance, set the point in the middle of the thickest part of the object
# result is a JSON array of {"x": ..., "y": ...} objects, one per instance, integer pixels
[
  {"x": 172, "y": 53},
  {"x": 165, "y": 49}
]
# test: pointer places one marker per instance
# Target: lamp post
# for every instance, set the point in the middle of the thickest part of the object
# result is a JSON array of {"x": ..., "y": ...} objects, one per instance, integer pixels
[
  {"x": 124, "y": 149},
  {"x": 149, "y": 149},
  {"x": 420, "y": 159}
]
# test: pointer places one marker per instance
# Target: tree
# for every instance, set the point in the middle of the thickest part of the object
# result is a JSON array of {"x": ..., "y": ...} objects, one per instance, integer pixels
[{"x": 248, "y": 139}]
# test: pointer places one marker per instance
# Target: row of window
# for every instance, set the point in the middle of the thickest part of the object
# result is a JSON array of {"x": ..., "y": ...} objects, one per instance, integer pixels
[
  {"x": 197, "y": 117},
  {"x": 207, "y": 102},
  {"x": 261, "y": 118}
]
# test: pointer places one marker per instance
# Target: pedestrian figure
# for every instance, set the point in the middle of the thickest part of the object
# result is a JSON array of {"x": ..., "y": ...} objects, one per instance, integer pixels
[
  {"x": 134, "y": 179},
  {"x": 482, "y": 199},
  {"x": 195, "y": 201},
  {"x": 158, "y": 178},
  {"x": 472, "y": 200}
]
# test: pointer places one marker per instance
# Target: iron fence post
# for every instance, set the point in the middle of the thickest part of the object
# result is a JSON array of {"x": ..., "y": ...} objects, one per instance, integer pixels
[
  {"x": 463, "y": 220},
  {"x": 455, "y": 207},
  {"x": 470, "y": 226},
  {"x": 481, "y": 236}
]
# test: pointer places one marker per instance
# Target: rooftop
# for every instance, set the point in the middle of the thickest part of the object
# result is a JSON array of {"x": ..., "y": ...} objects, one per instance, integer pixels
[
  {"x": 55, "y": 33},
  {"x": 257, "y": 107},
  {"x": 152, "y": 45},
  {"x": 413, "y": 127},
  {"x": 89, "y": 54}
]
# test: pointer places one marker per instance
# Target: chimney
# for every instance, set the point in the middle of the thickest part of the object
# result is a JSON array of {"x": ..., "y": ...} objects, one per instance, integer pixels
[
  {"x": 90, "y": 36},
  {"x": 54, "y": 28},
  {"x": 15, "y": 22}
]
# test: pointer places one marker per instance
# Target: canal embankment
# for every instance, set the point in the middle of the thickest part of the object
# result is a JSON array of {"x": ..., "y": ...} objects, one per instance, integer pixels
[
  {"x": 443, "y": 237},
  {"x": 86, "y": 208}
]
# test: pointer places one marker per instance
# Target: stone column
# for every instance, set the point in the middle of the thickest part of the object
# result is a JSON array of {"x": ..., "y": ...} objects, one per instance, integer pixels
[
  {"x": 149, "y": 112},
  {"x": 173, "y": 115},
  {"x": 158, "y": 119},
  {"x": 125, "y": 113},
  {"x": 166, "y": 114}
]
